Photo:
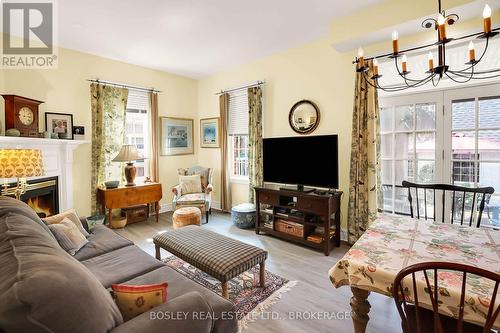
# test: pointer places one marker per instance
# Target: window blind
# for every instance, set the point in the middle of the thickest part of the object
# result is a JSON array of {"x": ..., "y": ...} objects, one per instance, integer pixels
[
  {"x": 238, "y": 113},
  {"x": 138, "y": 100}
]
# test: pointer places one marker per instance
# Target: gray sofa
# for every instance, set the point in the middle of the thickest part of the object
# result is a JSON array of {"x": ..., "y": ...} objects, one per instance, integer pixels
[{"x": 44, "y": 289}]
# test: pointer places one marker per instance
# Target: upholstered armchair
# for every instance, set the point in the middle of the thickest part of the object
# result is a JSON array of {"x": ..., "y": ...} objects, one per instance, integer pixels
[{"x": 189, "y": 196}]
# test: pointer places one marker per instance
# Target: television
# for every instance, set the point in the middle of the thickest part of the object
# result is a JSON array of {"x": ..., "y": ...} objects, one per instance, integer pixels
[{"x": 302, "y": 161}]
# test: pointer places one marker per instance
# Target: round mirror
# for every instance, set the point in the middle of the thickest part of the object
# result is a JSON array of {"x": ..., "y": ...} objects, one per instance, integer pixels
[{"x": 304, "y": 117}]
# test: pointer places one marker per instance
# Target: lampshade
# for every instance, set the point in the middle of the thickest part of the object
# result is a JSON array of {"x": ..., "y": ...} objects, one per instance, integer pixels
[
  {"x": 128, "y": 153},
  {"x": 20, "y": 163}
]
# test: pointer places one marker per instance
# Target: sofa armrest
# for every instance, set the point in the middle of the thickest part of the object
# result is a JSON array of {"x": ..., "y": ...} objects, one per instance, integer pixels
[
  {"x": 176, "y": 190},
  {"x": 188, "y": 313}
]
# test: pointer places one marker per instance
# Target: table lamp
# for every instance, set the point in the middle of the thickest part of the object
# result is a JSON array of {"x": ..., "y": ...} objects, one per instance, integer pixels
[
  {"x": 20, "y": 164},
  {"x": 129, "y": 155}
]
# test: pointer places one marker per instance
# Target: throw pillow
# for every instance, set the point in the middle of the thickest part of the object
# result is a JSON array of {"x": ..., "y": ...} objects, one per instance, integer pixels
[
  {"x": 134, "y": 300},
  {"x": 71, "y": 215},
  {"x": 190, "y": 184},
  {"x": 68, "y": 236}
]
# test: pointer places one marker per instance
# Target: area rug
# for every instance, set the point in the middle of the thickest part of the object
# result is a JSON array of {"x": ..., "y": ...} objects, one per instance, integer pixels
[{"x": 249, "y": 299}]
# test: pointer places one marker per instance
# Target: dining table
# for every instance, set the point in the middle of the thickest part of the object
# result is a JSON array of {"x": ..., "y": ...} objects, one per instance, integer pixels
[{"x": 393, "y": 242}]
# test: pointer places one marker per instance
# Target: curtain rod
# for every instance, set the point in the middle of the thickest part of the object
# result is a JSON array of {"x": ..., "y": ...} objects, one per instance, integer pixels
[
  {"x": 121, "y": 85},
  {"x": 254, "y": 84}
]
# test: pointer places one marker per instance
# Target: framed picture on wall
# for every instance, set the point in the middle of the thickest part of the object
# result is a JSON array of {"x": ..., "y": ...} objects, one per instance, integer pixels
[
  {"x": 176, "y": 136},
  {"x": 60, "y": 124},
  {"x": 209, "y": 133}
]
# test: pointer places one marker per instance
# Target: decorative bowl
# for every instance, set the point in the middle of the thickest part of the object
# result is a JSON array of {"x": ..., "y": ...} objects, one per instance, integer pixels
[{"x": 112, "y": 184}]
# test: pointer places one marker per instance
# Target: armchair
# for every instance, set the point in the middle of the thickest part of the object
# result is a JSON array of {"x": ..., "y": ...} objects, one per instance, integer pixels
[{"x": 202, "y": 200}]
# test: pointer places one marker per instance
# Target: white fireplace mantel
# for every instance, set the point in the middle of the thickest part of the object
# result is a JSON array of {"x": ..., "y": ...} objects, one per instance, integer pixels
[{"x": 57, "y": 161}]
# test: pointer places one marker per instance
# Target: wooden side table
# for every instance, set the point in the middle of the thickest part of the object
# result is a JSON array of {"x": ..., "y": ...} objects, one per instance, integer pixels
[{"x": 128, "y": 196}]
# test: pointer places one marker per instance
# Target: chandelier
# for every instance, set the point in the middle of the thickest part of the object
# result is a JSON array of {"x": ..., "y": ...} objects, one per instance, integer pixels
[{"x": 436, "y": 71}]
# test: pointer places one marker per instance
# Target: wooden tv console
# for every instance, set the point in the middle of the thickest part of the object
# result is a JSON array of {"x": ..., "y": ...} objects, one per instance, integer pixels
[{"x": 305, "y": 210}]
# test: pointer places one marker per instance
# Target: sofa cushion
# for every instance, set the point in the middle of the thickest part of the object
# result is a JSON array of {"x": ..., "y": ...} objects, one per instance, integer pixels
[
  {"x": 179, "y": 285},
  {"x": 121, "y": 265},
  {"x": 101, "y": 240},
  {"x": 43, "y": 289},
  {"x": 68, "y": 236},
  {"x": 69, "y": 214}
]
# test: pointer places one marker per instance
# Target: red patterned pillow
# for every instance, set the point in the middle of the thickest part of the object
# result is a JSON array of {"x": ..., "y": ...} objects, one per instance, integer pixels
[{"x": 134, "y": 300}]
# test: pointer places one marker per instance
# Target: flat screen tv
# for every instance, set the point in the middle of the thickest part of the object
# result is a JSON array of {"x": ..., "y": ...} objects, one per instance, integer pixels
[{"x": 302, "y": 161}]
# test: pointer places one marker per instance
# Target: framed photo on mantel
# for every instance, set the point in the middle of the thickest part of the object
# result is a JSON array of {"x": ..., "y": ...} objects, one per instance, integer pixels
[
  {"x": 176, "y": 136},
  {"x": 209, "y": 133},
  {"x": 60, "y": 124}
]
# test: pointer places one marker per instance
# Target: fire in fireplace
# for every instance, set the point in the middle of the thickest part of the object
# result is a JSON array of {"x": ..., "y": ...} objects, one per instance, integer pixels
[{"x": 42, "y": 195}]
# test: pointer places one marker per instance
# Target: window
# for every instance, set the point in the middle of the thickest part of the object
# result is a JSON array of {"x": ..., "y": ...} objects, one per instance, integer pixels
[
  {"x": 451, "y": 136},
  {"x": 137, "y": 129},
  {"x": 238, "y": 134}
]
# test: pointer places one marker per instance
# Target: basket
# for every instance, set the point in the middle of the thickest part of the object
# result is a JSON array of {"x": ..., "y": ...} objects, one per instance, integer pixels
[
  {"x": 118, "y": 223},
  {"x": 294, "y": 229}
]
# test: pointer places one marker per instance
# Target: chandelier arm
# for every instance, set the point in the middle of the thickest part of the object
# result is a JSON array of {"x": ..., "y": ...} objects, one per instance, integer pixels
[
  {"x": 480, "y": 72},
  {"x": 405, "y": 77},
  {"x": 458, "y": 81},
  {"x": 404, "y": 87}
]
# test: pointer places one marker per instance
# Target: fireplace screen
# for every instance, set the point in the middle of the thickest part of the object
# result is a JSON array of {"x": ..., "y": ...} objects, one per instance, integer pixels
[{"x": 42, "y": 195}]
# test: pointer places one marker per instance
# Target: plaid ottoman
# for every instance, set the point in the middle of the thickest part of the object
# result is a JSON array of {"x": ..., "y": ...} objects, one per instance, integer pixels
[{"x": 222, "y": 257}]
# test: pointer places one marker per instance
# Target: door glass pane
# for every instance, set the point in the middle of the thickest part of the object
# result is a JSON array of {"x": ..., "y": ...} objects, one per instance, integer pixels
[
  {"x": 426, "y": 116},
  {"x": 489, "y": 175},
  {"x": 489, "y": 145},
  {"x": 463, "y": 145},
  {"x": 400, "y": 171},
  {"x": 491, "y": 214},
  {"x": 401, "y": 203},
  {"x": 426, "y": 171},
  {"x": 386, "y": 145},
  {"x": 386, "y": 119},
  {"x": 403, "y": 145},
  {"x": 489, "y": 112},
  {"x": 404, "y": 117},
  {"x": 386, "y": 172},
  {"x": 387, "y": 195},
  {"x": 463, "y": 114},
  {"x": 426, "y": 145}
]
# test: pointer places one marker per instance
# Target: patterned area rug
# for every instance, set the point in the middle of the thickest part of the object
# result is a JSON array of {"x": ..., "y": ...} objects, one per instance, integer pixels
[{"x": 249, "y": 299}]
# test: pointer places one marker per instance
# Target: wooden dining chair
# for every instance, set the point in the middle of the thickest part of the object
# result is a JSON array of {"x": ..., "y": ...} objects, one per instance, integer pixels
[
  {"x": 416, "y": 319},
  {"x": 467, "y": 203}
]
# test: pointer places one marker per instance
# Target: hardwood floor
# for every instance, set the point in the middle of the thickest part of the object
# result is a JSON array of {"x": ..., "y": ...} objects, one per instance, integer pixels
[{"x": 312, "y": 296}]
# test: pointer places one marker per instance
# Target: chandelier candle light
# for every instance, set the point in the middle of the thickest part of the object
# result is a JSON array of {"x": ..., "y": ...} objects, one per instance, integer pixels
[{"x": 439, "y": 70}]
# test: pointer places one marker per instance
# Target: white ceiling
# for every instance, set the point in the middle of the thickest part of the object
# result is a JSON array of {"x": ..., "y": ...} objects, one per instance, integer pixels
[{"x": 195, "y": 38}]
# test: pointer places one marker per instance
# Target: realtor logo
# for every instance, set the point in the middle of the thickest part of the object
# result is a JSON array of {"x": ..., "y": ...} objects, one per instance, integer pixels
[{"x": 28, "y": 35}]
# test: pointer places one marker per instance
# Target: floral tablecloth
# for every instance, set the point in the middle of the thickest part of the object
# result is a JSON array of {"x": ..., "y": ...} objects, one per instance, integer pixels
[{"x": 394, "y": 242}]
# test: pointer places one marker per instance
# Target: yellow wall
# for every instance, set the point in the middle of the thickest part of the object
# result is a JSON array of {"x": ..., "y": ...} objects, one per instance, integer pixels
[
  {"x": 313, "y": 71},
  {"x": 66, "y": 90}
]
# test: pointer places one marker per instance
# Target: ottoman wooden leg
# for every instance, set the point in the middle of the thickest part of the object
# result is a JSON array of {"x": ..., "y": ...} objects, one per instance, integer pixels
[
  {"x": 225, "y": 292},
  {"x": 262, "y": 278},
  {"x": 157, "y": 250}
]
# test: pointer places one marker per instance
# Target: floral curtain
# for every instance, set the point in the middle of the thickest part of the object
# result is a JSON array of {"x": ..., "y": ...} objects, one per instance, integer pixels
[
  {"x": 364, "y": 184},
  {"x": 225, "y": 191},
  {"x": 255, "y": 168},
  {"x": 108, "y": 106}
]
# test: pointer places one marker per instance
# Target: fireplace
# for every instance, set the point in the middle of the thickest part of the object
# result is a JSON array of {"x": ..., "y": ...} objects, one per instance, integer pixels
[{"x": 42, "y": 195}]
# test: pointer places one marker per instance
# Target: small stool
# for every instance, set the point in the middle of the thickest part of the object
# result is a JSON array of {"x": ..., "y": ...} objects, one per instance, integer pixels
[
  {"x": 243, "y": 215},
  {"x": 186, "y": 216}
]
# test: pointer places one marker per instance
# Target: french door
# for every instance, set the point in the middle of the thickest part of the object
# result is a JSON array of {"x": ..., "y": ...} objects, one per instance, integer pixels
[{"x": 448, "y": 136}]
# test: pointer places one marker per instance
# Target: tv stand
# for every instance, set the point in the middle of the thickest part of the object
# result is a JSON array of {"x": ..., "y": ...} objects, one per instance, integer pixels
[
  {"x": 297, "y": 217},
  {"x": 299, "y": 188}
]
